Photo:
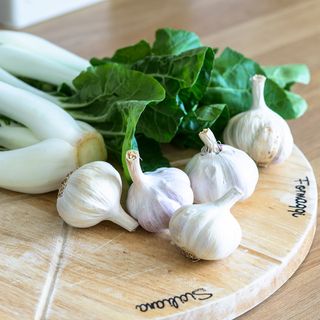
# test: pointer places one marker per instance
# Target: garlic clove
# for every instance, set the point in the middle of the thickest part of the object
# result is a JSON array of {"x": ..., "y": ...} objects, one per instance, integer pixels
[
  {"x": 92, "y": 194},
  {"x": 268, "y": 136},
  {"x": 260, "y": 132},
  {"x": 207, "y": 231},
  {"x": 217, "y": 168},
  {"x": 154, "y": 196}
]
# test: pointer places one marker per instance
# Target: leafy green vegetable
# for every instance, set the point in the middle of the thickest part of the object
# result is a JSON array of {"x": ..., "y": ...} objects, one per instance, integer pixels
[
  {"x": 173, "y": 42},
  {"x": 191, "y": 96},
  {"x": 189, "y": 71},
  {"x": 286, "y": 75},
  {"x": 230, "y": 84},
  {"x": 127, "y": 55},
  {"x": 150, "y": 153},
  {"x": 113, "y": 99},
  {"x": 230, "y": 81},
  {"x": 197, "y": 120},
  {"x": 146, "y": 94},
  {"x": 299, "y": 105},
  {"x": 279, "y": 101}
]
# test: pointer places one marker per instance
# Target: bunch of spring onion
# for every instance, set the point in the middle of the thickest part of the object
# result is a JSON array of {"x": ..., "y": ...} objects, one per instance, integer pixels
[{"x": 42, "y": 143}]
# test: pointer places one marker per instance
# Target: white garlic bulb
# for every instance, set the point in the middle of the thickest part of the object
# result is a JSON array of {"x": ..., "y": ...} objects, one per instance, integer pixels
[
  {"x": 260, "y": 132},
  {"x": 154, "y": 196},
  {"x": 91, "y": 194},
  {"x": 217, "y": 168},
  {"x": 207, "y": 231}
]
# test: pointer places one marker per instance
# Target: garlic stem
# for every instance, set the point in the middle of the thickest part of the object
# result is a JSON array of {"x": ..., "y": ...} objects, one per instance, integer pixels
[
  {"x": 258, "y": 82},
  {"x": 208, "y": 138},
  {"x": 229, "y": 199},
  {"x": 124, "y": 220},
  {"x": 133, "y": 163}
]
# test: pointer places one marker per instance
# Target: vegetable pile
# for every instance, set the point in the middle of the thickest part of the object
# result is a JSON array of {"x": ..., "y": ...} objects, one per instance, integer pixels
[
  {"x": 59, "y": 113},
  {"x": 145, "y": 95},
  {"x": 201, "y": 91}
]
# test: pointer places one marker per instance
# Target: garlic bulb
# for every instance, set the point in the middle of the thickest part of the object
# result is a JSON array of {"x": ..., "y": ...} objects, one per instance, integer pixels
[
  {"x": 260, "y": 132},
  {"x": 217, "y": 168},
  {"x": 154, "y": 196},
  {"x": 91, "y": 194},
  {"x": 207, "y": 231}
]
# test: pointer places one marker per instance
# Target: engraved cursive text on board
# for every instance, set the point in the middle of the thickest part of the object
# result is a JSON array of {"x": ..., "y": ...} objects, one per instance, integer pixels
[
  {"x": 299, "y": 208},
  {"x": 176, "y": 301}
]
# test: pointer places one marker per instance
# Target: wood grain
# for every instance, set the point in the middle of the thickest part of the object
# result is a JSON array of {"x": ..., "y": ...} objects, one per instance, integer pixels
[
  {"x": 272, "y": 32},
  {"x": 74, "y": 273}
]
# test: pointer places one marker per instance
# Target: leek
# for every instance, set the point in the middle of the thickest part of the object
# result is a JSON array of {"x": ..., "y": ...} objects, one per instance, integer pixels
[
  {"x": 35, "y": 44},
  {"x": 16, "y": 137},
  {"x": 32, "y": 65},
  {"x": 59, "y": 143},
  {"x": 12, "y": 80}
]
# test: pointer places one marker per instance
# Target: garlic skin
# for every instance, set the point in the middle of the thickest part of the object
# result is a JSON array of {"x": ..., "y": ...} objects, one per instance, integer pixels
[
  {"x": 217, "y": 168},
  {"x": 92, "y": 194},
  {"x": 261, "y": 133},
  {"x": 207, "y": 231},
  {"x": 154, "y": 196}
]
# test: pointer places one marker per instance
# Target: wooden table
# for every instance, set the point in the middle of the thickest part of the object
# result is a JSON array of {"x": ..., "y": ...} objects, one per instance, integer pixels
[{"x": 271, "y": 32}]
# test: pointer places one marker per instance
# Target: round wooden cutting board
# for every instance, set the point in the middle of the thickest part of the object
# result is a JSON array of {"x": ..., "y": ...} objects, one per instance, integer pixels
[{"x": 49, "y": 270}]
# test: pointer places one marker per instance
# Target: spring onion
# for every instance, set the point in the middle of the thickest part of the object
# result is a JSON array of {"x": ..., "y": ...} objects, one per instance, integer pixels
[{"x": 59, "y": 144}]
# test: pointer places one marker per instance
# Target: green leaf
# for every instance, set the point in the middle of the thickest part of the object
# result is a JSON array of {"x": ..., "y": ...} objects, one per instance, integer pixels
[
  {"x": 288, "y": 74},
  {"x": 151, "y": 154},
  {"x": 283, "y": 102},
  {"x": 230, "y": 81},
  {"x": 191, "y": 96},
  {"x": 219, "y": 125},
  {"x": 299, "y": 105},
  {"x": 203, "y": 117},
  {"x": 184, "y": 68},
  {"x": 95, "y": 62},
  {"x": 231, "y": 84},
  {"x": 127, "y": 55},
  {"x": 160, "y": 122},
  {"x": 115, "y": 97},
  {"x": 199, "y": 119},
  {"x": 173, "y": 41},
  {"x": 132, "y": 54}
]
